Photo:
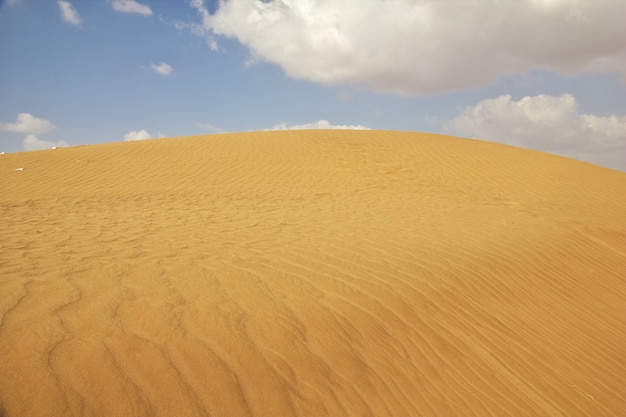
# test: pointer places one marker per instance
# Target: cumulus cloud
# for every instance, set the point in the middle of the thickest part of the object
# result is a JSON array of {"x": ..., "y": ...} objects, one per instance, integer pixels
[
  {"x": 33, "y": 143},
  {"x": 423, "y": 46},
  {"x": 27, "y": 123},
  {"x": 33, "y": 126},
  {"x": 137, "y": 135},
  {"x": 546, "y": 123},
  {"x": 162, "y": 68},
  {"x": 131, "y": 6},
  {"x": 322, "y": 124},
  {"x": 69, "y": 13}
]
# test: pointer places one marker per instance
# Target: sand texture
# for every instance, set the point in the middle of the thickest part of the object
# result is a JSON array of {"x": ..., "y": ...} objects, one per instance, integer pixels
[{"x": 311, "y": 273}]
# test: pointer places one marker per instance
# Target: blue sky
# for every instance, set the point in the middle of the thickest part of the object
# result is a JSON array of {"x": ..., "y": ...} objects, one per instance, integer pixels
[{"x": 548, "y": 75}]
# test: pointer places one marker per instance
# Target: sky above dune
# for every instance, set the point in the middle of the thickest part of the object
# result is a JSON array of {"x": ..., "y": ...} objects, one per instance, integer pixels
[{"x": 548, "y": 75}]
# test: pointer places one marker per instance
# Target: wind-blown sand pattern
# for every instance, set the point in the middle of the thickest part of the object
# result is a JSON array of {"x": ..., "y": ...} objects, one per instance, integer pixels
[{"x": 311, "y": 273}]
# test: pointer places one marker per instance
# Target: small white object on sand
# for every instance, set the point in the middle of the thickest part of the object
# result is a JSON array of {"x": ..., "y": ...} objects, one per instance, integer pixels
[{"x": 19, "y": 169}]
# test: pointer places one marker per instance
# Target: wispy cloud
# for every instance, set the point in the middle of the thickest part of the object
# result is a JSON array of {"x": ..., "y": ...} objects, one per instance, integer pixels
[
  {"x": 204, "y": 27},
  {"x": 546, "y": 123},
  {"x": 162, "y": 68},
  {"x": 137, "y": 135},
  {"x": 131, "y": 6},
  {"x": 69, "y": 13},
  {"x": 321, "y": 124},
  {"x": 210, "y": 128},
  {"x": 27, "y": 123},
  {"x": 33, "y": 143},
  {"x": 413, "y": 47}
]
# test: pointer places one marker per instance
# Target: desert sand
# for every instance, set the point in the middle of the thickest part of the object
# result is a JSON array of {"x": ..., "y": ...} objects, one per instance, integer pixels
[{"x": 311, "y": 273}]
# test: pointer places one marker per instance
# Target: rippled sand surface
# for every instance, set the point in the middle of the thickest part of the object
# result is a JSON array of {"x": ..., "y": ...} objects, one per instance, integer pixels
[{"x": 311, "y": 273}]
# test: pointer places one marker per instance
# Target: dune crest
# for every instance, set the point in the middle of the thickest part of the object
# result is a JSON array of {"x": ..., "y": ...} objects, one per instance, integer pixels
[{"x": 311, "y": 273}]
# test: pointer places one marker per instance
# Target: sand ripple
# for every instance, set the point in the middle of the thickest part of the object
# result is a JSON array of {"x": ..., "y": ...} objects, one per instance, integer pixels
[{"x": 334, "y": 273}]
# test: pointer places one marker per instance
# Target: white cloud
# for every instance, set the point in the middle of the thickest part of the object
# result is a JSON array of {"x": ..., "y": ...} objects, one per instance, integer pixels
[
  {"x": 322, "y": 124},
  {"x": 27, "y": 123},
  {"x": 162, "y": 68},
  {"x": 33, "y": 143},
  {"x": 546, "y": 123},
  {"x": 69, "y": 13},
  {"x": 137, "y": 135},
  {"x": 131, "y": 6},
  {"x": 423, "y": 46}
]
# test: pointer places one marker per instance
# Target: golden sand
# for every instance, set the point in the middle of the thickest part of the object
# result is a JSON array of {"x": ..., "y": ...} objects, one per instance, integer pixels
[{"x": 311, "y": 273}]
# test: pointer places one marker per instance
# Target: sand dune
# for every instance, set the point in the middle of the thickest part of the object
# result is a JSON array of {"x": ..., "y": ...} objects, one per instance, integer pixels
[{"x": 311, "y": 273}]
